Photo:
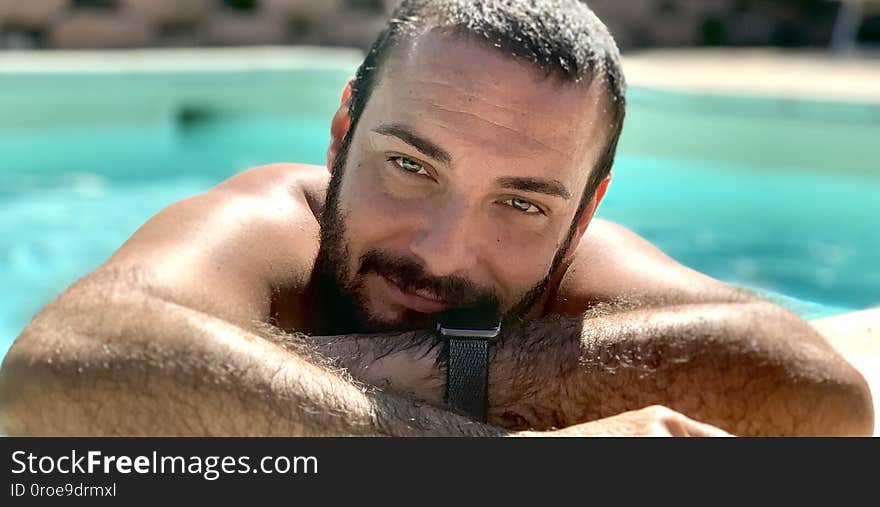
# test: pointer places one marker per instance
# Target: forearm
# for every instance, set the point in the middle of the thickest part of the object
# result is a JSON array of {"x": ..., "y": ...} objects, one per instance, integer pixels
[
  {"x": 135, "y": 365},
  {"x": 752, "y": 369}
]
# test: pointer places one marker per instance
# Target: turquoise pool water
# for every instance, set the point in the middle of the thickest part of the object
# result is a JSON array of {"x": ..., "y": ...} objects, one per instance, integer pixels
[{"x": 758, "y": 212}]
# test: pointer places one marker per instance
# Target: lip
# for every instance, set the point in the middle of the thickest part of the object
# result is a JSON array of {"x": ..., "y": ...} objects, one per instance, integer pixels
[{"x": 410, "y": 300}]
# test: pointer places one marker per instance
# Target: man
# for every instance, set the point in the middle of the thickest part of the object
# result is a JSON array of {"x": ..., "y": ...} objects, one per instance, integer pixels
[{"x": 467, "y": 160}]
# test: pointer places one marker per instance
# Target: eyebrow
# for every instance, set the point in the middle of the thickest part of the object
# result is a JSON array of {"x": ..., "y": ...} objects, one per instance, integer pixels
[
  {"x": 421, "y": 143},
  {"x": 541, "y": 186}
]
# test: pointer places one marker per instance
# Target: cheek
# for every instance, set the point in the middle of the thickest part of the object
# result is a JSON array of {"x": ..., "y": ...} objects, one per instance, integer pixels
[
  {"x": 371, "y": 215},
  {"x": 520, "y": 262}
]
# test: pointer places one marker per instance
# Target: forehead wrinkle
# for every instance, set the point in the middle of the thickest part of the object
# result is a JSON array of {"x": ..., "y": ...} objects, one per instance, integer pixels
[
  {"x": 508, "y": 154},
  {"x": 514, "y": 181},
  {"x": 505, "y": 128},
  {"x": 518, "y": 109}
]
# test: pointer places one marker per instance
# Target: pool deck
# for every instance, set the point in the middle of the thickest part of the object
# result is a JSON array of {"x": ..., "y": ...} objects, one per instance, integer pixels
[{"x": 765, "y": 72}]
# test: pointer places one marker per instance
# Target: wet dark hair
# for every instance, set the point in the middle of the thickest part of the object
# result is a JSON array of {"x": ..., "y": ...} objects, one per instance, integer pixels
[{"x": 564, "y": 38}]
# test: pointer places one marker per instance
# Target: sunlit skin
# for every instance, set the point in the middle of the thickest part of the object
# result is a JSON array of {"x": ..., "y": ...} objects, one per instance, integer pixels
[
  {"x": 478, "y": 177},
  {"x": 467, "y": 166}
]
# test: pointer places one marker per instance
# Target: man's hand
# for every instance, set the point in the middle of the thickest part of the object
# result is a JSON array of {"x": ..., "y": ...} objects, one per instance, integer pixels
[{"x": 655, "y": 421}]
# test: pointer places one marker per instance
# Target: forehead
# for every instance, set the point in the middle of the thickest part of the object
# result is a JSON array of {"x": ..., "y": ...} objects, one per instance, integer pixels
[{"x": 486, "y": 104}]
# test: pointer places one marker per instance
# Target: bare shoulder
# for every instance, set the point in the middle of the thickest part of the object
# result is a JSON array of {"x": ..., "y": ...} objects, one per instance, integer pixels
[
  {"x": 176, "y": 294},
  {"x": 278, "y": 181},
  {"x": 614, "y": 263},
  {"x": 225, "y": 251}
]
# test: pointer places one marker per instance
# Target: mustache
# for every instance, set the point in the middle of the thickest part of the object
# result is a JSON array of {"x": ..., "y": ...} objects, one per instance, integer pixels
[{"x": 412, "y": 276}]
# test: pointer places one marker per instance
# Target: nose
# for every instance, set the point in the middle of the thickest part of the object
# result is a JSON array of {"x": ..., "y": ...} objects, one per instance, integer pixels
[{"x": 445, "y": 243}]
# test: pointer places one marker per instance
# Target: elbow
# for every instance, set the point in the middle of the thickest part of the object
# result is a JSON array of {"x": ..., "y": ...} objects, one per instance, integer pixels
[
  {"x": 837, "y": 405},
  {"x": 844, "y": 407},
  {"x": 760, "y": 398},
  {"x": 864, "y": 421},
  {"x": 47, "y": 382},
  {"x": 28, "y": 384},
  {"x": 801, "y": 385},
  {"x": 11, "y": 423}
]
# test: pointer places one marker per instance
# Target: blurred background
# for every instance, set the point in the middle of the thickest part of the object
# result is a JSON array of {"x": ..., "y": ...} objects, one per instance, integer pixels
[
  {"x": 75, "y": 24},
  {"x": 750, "y": 150}
]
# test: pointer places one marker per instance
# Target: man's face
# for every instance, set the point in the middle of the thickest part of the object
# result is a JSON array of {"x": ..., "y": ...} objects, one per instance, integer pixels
[{"x": 461, "y": 183}]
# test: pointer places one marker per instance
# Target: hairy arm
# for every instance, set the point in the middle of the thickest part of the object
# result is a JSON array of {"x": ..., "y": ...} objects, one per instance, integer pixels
[
  {"x": 749, "y": 368},
  {"x": 105, "y": 359},
  {"x": 109, "y": 360}
]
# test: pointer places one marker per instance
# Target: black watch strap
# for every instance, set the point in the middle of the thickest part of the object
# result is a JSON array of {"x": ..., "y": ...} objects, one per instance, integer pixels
[{"x": 467, "y": 376}]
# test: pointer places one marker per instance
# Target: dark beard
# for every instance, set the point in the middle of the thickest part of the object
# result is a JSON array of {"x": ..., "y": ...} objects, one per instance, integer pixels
[{"x": 338, "y": 306}]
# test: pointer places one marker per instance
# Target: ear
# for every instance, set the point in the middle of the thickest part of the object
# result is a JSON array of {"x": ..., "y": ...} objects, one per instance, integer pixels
[
  {"x": 340, "y": 124},
  {"x": 587, "y": 217}
]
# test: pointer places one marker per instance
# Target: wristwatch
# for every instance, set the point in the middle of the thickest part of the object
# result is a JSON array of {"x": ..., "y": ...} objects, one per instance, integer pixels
[{"x": 466, "y": 334}]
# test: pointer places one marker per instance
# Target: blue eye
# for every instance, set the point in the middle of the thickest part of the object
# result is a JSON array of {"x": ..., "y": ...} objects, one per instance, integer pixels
[
  {"x": 523, "y": 206},
  {"x": 410, "y": 165}
]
